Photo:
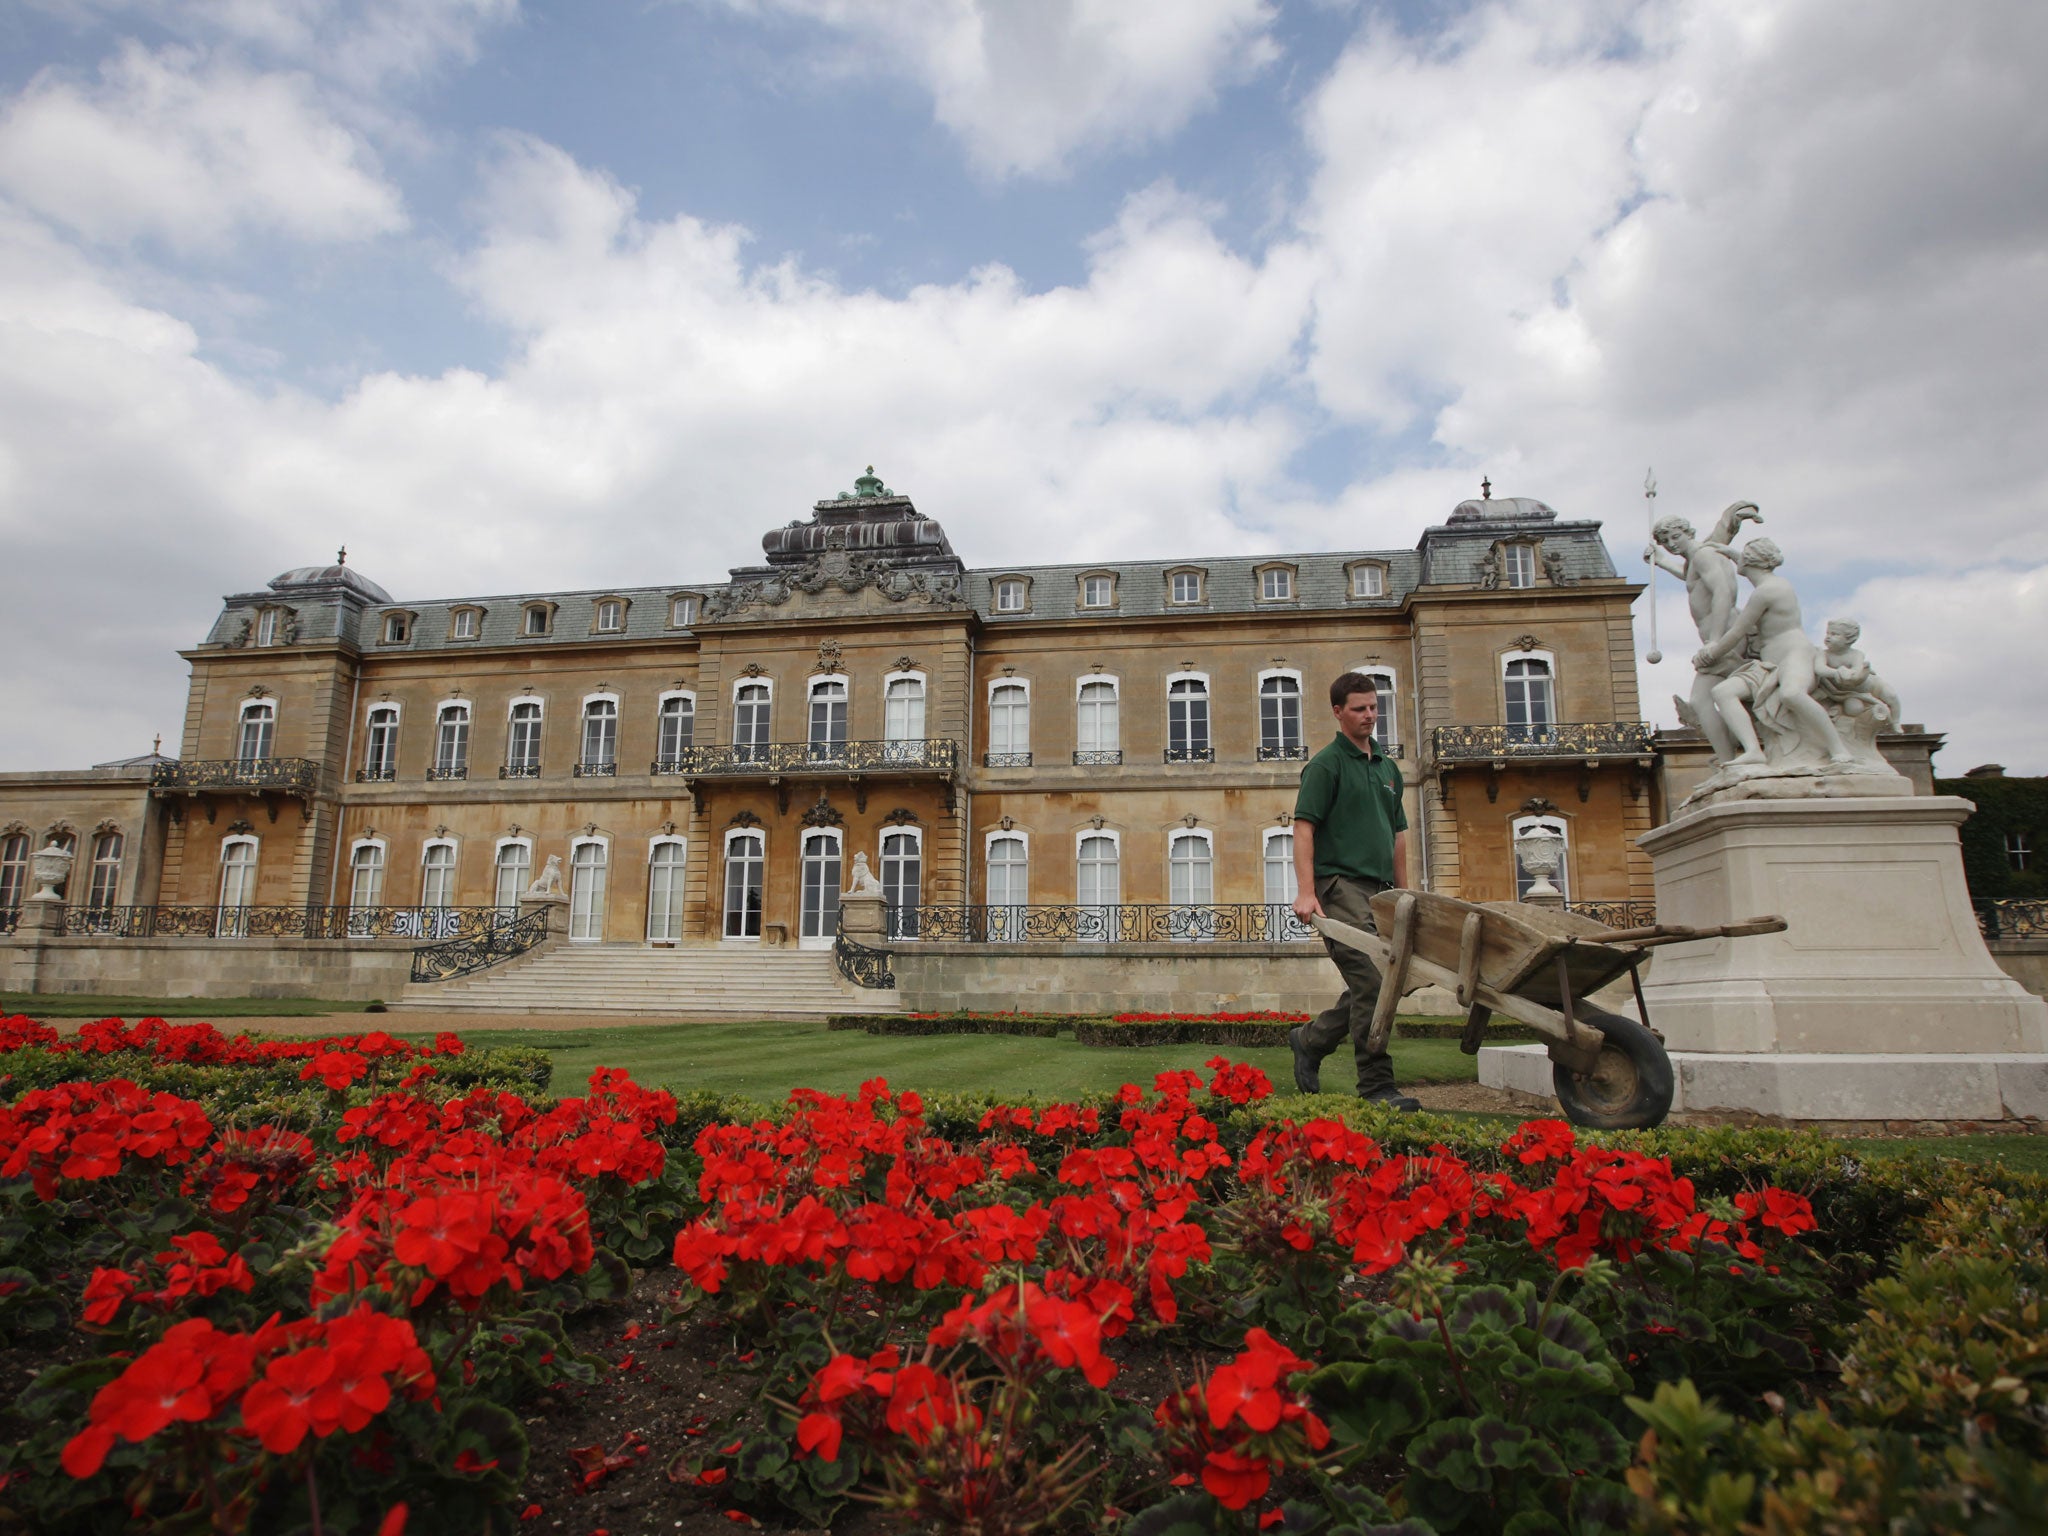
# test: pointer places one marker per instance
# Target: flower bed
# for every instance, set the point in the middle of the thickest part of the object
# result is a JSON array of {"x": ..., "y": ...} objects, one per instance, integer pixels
[{"x": 1173, "y": 1307}]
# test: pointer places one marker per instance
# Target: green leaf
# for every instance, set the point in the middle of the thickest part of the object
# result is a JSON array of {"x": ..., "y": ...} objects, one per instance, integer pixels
[
  {"x": 1603, "y": 1508},
  {"x": 1485, "y": 1308},
  {"x": 833, "y": 1477},
  {"x": 1532, "y": 1522},
  {"x": 609, "y": 1278},
  {"x": 1568, "y": 1328},
  {"x": 1678, "y": 1414},
  {"x": 1187, "y": 1514},
  {"x": 1368, "y": 1405},
  {"x": 1444, "y": 1453},
  {"x": 760, "y": 1458},
  {"x": 1585, "y": 1440},
  {"x": 493, "y": 1432}
]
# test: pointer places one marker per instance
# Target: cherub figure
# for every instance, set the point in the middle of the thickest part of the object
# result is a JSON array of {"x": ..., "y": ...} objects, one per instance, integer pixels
[{"x": 1842, "y": 677}]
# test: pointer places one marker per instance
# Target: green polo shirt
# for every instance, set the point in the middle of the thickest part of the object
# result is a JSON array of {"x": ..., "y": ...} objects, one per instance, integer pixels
[{"x": 1354, "y": 799}]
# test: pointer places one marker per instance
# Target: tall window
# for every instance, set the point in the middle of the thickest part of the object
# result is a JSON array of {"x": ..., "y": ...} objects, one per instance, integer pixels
[
  {"x": 259, "y": 721},
  {"x": 828, "y": 719},
  {"x": 366, "y": 876},
  {"x": 750, "y": 722},
  {"x": 745, "y": 858},
  {"x": 1009, "y": 726},
  {"x": 1527, "y": 684},
  {"x": 1386, "y": 730},
  {"x": 1281, "y": 886},
  {"x": 106, "y": 869},
  {"x": 665, "y": 893},
  {"x": 1098, "y": 885},
  {"x": 903, "y": 718},
  {"x": 1010, "y": 596},
  {"x": 437, "y": 875},
  {"x": 1525, "y": 877},
  {"x": 522, "y": 746},
  {"x": 1519, "y": 564},
  {"x": 451, "y": 742},
  {"x": 380, "y": 745},
  {"x": 674, "y": 729},
  {"x": 1187, "y": 721},
  {"x": 13, "y": 870},
  {"x": 902, "y": 880},
  {"x": 514, "y": 873},
  {"x": 266, "y": 627},
  {"x": 237, "y": 886},
  {"x": 1191, "y": 881},
  {"x": 818, "y": 915},
  {"x": 2019, "y": 851},
  {"x": 588, "y": 870},
  {"x": 1276, "y": 584},
  {"x": 1009, "y": 880},
  {"x": 600, "y": 737},
  {"x": 1280, "y": 718},
  {"x": 1096, "y": 737}
]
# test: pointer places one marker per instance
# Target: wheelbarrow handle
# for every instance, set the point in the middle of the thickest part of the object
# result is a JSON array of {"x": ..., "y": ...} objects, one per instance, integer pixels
[{"x": 1676, "y": 933}]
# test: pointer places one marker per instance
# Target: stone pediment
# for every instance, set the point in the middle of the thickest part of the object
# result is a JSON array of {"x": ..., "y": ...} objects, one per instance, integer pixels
[{"x": 834, "y": 581}]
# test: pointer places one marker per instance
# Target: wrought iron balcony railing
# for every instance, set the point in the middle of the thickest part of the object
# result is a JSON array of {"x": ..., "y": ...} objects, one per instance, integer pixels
[
  {"x": 272, "y": 922},
  {"x": 451, "y": 771},
  {"x": 1122, "y": 923},
  {"x": 10, "y": 919},
  {"x": 1108, "y": 759},
  {"x": 595, "y": 770},
  {"x": 916, "y": 755},
  {"x": 519, "y": 771},
  {"x": 1598, "y": 738},
  {"x": 666, "y": 765},
  {"x": 384, "y": 775},
  {"x": 1006, "y": 759},
  {"x": 485, "y": 947},
  {"x": 1293, "y": 754},
  {"x": 282, "y": 775},
  {"x": 1191, "y": 754},
  {"x": 1616, "y": 914},
  {"x": 2013, "y": 917}
]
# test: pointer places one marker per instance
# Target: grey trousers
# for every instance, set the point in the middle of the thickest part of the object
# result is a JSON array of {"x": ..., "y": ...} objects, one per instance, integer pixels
[{"x": 1345, "y": 899}]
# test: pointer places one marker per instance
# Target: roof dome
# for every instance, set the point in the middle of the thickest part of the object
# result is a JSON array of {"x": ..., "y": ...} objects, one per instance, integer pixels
[{"x": 336, "y": 575}]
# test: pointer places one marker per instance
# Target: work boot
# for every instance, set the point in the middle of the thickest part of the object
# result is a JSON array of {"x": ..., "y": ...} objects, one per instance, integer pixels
[
  {"x": 1393, "y": 1098},
  {"x": 1307, "y": 1076}
]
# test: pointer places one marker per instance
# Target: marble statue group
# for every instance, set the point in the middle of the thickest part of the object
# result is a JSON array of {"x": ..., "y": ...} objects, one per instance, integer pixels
[{"x": 1785, "y": 717}]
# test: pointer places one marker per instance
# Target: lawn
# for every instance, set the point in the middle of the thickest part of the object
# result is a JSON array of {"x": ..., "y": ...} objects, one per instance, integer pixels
[
  {"x": 87, "y": 1005},
  {"x": 765, "y": 1060}
]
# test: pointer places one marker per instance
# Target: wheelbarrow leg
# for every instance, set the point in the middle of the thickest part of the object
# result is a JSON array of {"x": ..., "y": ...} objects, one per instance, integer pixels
[
  {"x": 1394, "y": 979},
  {"x": 1475, "y": 1029},
  {"x": 1478, "y": 1014}
]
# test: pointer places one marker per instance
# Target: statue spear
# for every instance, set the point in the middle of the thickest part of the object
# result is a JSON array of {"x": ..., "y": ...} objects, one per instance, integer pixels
[{"x": 1650, "y": 513}]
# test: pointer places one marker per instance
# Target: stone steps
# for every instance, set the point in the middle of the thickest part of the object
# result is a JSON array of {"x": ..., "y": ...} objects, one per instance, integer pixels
[{"x": 691, "y": 981}]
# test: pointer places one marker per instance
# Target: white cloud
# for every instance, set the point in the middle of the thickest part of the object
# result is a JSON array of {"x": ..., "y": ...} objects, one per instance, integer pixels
[
  {"x": 1029, "y": 84},
  {"x": 193, "y": 152}
]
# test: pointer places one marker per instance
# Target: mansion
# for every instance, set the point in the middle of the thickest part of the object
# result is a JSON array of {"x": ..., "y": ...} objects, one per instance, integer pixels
[{"x": 705, "y": 758}]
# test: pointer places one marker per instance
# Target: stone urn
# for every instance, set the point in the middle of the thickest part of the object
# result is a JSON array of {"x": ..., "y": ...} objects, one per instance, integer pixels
[
  {"x": 1541, "y": 852},
  {"x": 52, "y": 867}
]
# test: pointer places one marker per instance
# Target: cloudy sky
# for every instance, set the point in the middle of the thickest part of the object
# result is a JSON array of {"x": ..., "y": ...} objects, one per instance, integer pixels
[{"x": 515, "y": 294}]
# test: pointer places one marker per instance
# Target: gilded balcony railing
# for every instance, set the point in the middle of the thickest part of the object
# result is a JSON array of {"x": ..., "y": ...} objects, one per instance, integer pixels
[
  {"x": 1600, "y": 738},
  {"x": 283, "y": 775},
  {"x": 914, "y": 755},
  {"x": 275, "y": 922},
  {"x": 2012, "y": 917}
]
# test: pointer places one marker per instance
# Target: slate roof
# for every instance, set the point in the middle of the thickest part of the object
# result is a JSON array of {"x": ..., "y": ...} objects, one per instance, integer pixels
[{"x": 1230, "y": 585}]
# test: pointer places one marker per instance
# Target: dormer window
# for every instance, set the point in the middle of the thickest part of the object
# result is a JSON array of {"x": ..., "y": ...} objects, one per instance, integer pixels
[
  {"x": 1098, "y": 591},
  {"x": 266, "y": 627},
  {"x": 1276, "y": 584},
  {"x": 465, "y": 623},
  {"x": 397, "y": 628},
  {"x": 1518, "y": 565},
  {"x": 1368, "y": 580},
  {"x": 537, "y": 619},
  {"x": 1013, "y": 595},
  {"x": 608, "y": 617},
  {"x": 682, "y": 610},
  {"x": 1184, "y": 588}
]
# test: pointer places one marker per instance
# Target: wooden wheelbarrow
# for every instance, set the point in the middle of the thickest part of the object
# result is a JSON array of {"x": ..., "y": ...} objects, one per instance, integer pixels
[{"x": 1536, "y": 965}]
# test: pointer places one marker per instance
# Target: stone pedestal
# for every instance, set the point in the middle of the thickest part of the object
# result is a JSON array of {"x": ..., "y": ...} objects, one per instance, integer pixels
[
  {"x": 555, "y": 906},
  {"x": 1879, "y": 1002},
  {"x": 863, "y": 917}
]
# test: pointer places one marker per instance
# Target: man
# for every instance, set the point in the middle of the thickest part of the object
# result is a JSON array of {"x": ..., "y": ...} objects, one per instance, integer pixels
[{"x": 1350, "y": 842}]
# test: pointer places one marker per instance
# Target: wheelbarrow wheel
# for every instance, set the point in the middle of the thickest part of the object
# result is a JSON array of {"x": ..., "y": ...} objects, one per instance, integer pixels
[{"x": 1629, "y": 1087}]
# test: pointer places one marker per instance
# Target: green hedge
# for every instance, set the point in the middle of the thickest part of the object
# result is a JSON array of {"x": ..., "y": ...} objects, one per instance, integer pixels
[
  {"x": 1041, "y": 1026},
  {"x": 517, "y": 1069}
]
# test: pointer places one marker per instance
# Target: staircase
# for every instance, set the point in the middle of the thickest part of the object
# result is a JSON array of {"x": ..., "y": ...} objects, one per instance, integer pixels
[{"x": 708, "y": 981}]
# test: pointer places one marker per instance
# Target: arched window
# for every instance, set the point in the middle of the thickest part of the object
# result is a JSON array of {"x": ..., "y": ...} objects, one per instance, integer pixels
[
  {"x": 903, "y": 717},
  {"x": 380, "y": 745},
  {"x": 828, "y": 719},
  {"x": 1281, "y": 885},
  {"x": 745, "y": 861},
  {"x": 1526, "y": 878},
  {"x": 106, "y": 870},
  {"x": 665, "y": 891},
  {"x": 1526, "y": 682},
  {"x": 751, "y": 703},
  {"x": 675, "y": 729},
  {"x": 1386, "y": 730},
  {"x": 13, "y": 870},
  {"x": 902, "y": 879},
  {"x": 1187, "y": 720},
  {"x": 522, "y": 744},
  {"x": 259, "y": 722},
  {"x": 600, "y": 757},
  {"x": 1280, "y": 717},
  {"x": 451, "y": 743},
  {"x": 1097, "y": 734},
  {"x": 237, "y": 887},
  {"x": 1009, "y": 725},
  {"x": 818, "y": 910},
  {"x": 589, "y": 863},
  {"x": 437, "y": 875},
  {"x": 514, "y": 873},
  {"x": 1191, "y": 883},
  {"x": 1008, "y": 885},
  {"x": 366, "y": 876},
  {"x": 1098, "y": 885}
]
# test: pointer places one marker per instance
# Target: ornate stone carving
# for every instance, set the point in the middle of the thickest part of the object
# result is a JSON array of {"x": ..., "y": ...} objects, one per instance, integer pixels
[
  {"x": 744, "y": 819},
  {"x": 1492, "y": 569},
  {"x": 1553, "y": 567},
  {"x": 848, "y": 571},
  {"x": 288, "y": 626},
  {"x": 902, "y": 816},
  {"x": 1528, "y": 642},
  {"x": 243, "y": 633},
  {"x": 831, "y": 656},
  {"x": 823, "y": 815}
]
